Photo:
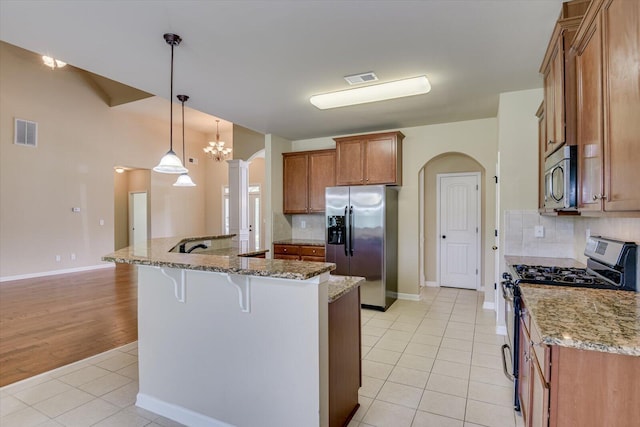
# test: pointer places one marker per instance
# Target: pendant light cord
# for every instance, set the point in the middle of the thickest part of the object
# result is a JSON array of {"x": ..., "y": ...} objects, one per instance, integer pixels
[
  {"x": 171, "y": 105},
  {"x": 183, "y": 150}
]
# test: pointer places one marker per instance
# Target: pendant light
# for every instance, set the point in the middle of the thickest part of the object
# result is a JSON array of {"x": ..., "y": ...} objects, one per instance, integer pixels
[
  {"x": 170, "y": 162},
  {"x": 184, "y": 180}
]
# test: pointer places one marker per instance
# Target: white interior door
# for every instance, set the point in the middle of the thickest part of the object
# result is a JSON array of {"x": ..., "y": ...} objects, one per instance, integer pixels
[
  {"x": 137, "y": 218},
  {"x": 459, "y": 229},
  {"x": 255, "y": 230}
]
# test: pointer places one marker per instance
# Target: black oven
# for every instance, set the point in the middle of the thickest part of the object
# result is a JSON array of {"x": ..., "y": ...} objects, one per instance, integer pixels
[{"x": 611, "y": 264}]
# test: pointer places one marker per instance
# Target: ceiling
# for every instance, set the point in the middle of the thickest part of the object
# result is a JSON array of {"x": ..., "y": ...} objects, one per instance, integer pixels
[{"x": 256, "y": 63}]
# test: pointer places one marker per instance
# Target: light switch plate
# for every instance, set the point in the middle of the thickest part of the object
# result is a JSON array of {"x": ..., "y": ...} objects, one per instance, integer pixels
[{"x": 538, "y": 231}]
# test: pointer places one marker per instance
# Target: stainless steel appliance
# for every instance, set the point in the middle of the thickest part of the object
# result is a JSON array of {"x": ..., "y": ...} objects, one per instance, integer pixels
[
  {"x": 611, "y": 264},
  {"x": 560, "y": 179},
  {"x": 362, "y": 239}
]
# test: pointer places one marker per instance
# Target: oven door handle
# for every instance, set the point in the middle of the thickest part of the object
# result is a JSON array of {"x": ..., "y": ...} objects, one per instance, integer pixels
[
  {"x": 504, "y": 362},
  {"x": 505, "y": 294}
]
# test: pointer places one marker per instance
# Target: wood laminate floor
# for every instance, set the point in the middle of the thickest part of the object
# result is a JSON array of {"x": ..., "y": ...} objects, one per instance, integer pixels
[{"x": 49, "y": 322}]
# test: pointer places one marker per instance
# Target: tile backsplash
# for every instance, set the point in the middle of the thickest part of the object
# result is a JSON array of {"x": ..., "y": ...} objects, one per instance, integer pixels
[
  {"x": 564, "y": 236},
  {"x": 519, "y": 228},
  {"x": 308, "y": 227}
]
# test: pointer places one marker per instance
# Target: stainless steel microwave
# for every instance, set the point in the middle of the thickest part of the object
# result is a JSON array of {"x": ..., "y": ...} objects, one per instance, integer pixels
[{"x": 561, "y": 179}]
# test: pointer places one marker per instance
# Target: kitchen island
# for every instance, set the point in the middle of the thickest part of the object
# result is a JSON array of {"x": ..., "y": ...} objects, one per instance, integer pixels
[{"x": 226, "y": 340}]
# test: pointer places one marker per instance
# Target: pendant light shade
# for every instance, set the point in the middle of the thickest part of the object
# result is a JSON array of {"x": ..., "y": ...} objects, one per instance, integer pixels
[
  {"x": 184, "y": 180},
  {"x": 170, "y": 162}
]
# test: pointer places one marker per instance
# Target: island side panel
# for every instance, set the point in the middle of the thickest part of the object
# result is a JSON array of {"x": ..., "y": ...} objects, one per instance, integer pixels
[{"x": 205, "y": 361}]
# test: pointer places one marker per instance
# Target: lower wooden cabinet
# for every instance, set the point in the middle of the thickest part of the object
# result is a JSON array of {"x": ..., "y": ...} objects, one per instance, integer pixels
[
  {"x": 564, "y": 386},
  {"x": 299, "y": 252},
  {"x": 345, "y": 370}
]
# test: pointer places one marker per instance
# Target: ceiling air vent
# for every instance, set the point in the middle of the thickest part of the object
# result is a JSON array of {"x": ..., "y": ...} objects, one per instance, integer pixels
[
  {"x": 25, "y": 133},
  {"x": 355, "y": 79}
]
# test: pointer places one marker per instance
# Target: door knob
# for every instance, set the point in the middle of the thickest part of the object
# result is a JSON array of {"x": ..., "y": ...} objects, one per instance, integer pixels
[{"x": 444, "y": 237}]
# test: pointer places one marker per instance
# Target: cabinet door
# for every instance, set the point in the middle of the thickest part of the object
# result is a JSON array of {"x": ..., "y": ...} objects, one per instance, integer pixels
[
  {"x": 539, "y": 412},
  {"x": 554, "y": 96},
  {"x": 381, "y": 166},
  {"x": 322, "y": 174},
  {"x": 621, "y": 72},
  {"x": 542, "y": 145},
  {"x": 349, "y": 162},
  {"x": 589, "y": 76},
  {"x": 295, "y": 183},
  {"x": 524, "y": 374}
]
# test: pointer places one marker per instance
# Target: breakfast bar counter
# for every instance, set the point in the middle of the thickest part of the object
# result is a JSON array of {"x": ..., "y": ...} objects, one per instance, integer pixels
[{"x": 227, "y": 340}]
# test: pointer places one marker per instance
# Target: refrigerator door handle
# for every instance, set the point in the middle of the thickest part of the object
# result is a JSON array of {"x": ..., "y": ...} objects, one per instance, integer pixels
[
  {"x": 351, "y": 230},
  {"x": 347, "y": 239}
]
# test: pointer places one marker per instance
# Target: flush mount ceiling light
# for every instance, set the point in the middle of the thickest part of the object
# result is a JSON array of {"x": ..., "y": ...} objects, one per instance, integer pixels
[
  {"x": 170, "y": 163},
  {"x": 374, "y": 93},
  {"x": 184, "y": 180},
  {"x": 216, "y": 149},
  {"x": 52, "y": 63}
]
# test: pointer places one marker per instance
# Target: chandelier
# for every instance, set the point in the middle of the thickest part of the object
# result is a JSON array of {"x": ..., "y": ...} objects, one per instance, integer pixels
[{"x": 216, "y": 150}]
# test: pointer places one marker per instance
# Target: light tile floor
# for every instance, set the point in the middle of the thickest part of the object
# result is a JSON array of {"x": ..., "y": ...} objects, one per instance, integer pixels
[{"x": 433, "y": 362}]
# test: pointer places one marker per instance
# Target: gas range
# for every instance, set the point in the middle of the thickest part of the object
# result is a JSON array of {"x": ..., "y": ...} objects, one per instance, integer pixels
[
  {"x": 560, "y": 276},
  {"x": 611, "y": 264}
]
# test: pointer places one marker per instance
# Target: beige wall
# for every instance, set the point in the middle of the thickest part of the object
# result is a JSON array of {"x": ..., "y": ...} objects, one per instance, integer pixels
[
  {"x": 446, "y": 163},
  {"x": 478, "y": 140},
  {"x": 276, "y": 225},
  {"x": 246, "y": 142},
  {"x": 80, "y": 140}
]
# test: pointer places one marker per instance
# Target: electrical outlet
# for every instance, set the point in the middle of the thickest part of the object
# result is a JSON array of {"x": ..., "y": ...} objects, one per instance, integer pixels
[
  {"x": 538, "y": 231},
  {"x": 102, "y": 222},
  {"x": 303, "y": 224},
  {"x": 587, "y": 233},
  {"x": 73, "y": 257},
  {"x": 58, "y": 258}
]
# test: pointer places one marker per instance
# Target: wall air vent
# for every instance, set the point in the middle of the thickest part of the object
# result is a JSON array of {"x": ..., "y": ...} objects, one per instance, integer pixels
[
  {"x": 25, "y": 133},
  {"x": 355, "y": 79}
]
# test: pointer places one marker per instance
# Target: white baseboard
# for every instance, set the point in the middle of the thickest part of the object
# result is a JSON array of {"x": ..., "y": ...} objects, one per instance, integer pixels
[
  {"x": 177, "y": 413},
  {"x": 410, "y": 297},
  {"x": 501, "y": 330},
  {"x": 488, "y": 305},
  {"x": 431, "y": 284},
  {"x": 55, "y": 272}
]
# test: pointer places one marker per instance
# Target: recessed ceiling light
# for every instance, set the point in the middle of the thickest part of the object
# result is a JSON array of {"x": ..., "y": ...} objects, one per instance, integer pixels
[{"x": 373, "y": 93}]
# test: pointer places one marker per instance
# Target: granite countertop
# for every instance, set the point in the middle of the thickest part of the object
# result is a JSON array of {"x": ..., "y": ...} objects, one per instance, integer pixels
[
  {"x": 342, "y": 285},
  {"x": 300, "y": 242},
  {"x": 587, "y": 319},
  {"x": 544, "y": 261},
  {"x": 157, "y": 252}
]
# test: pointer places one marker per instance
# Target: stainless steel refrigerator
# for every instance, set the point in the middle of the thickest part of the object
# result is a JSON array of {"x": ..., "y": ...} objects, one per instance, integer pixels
[{"x": 362, "y": 239}]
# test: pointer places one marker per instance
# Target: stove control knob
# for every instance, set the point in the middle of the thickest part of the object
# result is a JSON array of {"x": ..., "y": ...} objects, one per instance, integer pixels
[{"x": 506, "y": 276}]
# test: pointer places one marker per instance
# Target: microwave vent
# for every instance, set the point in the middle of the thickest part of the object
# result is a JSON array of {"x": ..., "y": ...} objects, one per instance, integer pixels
[{"x": 25, "y": 133}]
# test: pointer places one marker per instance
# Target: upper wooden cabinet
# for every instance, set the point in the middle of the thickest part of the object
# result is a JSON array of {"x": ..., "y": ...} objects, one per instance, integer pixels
[
  {"x": 306, "y": 175},
  {"x": 369, "y": 159},
  {"x": 558, "y": 69},
  {"x": 608, "y": 53}
]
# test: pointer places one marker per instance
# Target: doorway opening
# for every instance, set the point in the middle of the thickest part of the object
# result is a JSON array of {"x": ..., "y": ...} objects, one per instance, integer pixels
[{"x": 429, "y": 226}]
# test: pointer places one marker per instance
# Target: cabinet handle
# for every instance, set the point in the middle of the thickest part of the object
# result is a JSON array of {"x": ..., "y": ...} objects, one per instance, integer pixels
[
  {"x": 550, "y": 142},
  {"x": 599, "y": 196}
]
